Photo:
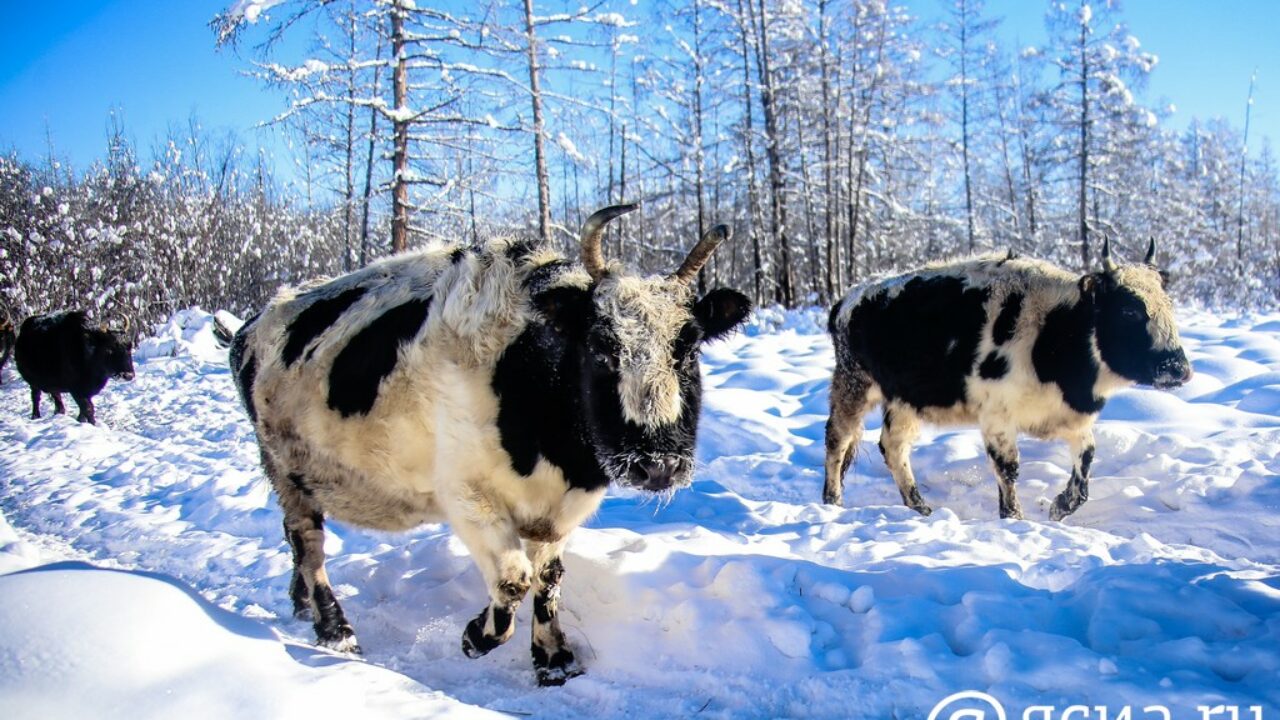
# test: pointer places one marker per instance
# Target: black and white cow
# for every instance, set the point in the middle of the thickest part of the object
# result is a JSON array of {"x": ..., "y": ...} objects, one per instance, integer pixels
[
  {"x": 1010, "y": 344},
  {"x": 62, "y": 352},
  {"x": 500, "y": 388}
]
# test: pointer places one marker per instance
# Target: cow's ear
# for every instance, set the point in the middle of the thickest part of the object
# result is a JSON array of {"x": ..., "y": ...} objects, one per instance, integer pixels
[
  {"x": 1093, "y": 283},
  {"x": 1165, "y": 278},
  {"x": 720, "y": 311},
  {"x": 565, "y": 309}
]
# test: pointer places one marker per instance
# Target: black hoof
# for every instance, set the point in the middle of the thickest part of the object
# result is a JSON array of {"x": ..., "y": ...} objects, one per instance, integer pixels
[
  {"x": 1060, "y": 509},
  {"x": 344, "y": 642},
  {"x": 474, "y": 641},
  {"x": 555, "y": 670},
  {"x": 924, "y": 510},
  {"x": 832, "y": 499}
]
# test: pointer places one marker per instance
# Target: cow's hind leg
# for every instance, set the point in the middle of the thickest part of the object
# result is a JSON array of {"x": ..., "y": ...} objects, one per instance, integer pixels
[
  {"x": 498, "y": 552},
  {"x": 851, "y": 397},
  {"x": 1077, "y": 491},
  {"x": 900, "y": 429},
  {"x": 304, "y": 530},
  {"x": 35, "y": 403},
  {"x": 1002, "y": 448},
  {"x": 553, "y": 661}
]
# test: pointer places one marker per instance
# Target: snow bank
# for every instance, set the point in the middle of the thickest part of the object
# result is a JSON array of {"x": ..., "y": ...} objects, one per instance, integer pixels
[
  {"x": 85, "y": 642},
  {"x": 741, "y": 597}
]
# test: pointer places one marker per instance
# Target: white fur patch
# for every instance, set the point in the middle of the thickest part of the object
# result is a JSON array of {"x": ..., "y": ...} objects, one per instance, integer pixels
[{"x": 647, "y": 315}]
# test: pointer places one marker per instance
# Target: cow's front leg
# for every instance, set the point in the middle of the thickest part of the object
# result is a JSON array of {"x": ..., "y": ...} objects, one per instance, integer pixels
[
  {"x": 58, "y": 407},
  {"x": 1002, "y": 448},
  {"x": 553, "y": 661},
  {"x": 86, "y": 409},
  {"x": 1078, "y": 486},
  {"x": 35, "y": 403},
  {"x": 496, "y": 548}
]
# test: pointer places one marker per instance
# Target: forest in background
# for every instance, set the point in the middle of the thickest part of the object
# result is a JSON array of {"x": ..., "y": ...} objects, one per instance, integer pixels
[{"x": 840, "y": 140}]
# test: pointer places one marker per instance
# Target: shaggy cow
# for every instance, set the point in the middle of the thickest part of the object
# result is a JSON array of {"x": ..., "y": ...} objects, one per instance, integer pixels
[
  {"x": 1011, "y": 344},
  {"x": 500, "y": 388},
  {"x": 61, "y": 352}
]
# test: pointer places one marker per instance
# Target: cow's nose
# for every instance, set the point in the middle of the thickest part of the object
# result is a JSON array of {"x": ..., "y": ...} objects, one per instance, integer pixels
[
  {"x": 1173, "y": 371},
  {"x": 127, "y": 376},
  {"x": 655, "y": 474}
]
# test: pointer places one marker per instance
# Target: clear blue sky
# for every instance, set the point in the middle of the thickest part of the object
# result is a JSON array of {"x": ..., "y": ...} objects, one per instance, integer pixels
[{"x": 64, "y": 65}]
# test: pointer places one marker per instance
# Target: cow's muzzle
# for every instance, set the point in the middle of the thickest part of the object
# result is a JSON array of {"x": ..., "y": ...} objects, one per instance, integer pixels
[
  {"x": 1172, "y": 371},
  {"x": 126, "y": 376},
  {"x": 658, "y": 473}
]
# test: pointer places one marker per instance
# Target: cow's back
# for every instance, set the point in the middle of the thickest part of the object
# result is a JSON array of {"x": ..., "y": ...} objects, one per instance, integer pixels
[
  {"x": 50, "y": 352},
  {"x": 924, "y": 335}
]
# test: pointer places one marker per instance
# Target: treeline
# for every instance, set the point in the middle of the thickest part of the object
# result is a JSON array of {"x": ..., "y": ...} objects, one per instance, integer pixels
[
  {"x": 199, "y": 225},
  {"x": 839, "y": 140}
]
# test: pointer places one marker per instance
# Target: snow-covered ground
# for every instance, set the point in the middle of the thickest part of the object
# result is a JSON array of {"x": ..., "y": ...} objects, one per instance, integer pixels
[{"x": 148, "y": 574}]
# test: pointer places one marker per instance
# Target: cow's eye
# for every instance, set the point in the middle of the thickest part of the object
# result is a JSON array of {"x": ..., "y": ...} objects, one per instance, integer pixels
[
  {"x": 606, "y": 360},
  {"x": 1132, "y": 314}
]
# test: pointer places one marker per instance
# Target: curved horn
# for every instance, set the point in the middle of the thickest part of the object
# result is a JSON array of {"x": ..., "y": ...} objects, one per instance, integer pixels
[
  {"x": 593, "y": 232},
  {"x": 1151, "y": 252},
  {"x": 126, "y": 324},
  {"x": 1108, "y": 264},
  {"x": 700, "y": 253}
]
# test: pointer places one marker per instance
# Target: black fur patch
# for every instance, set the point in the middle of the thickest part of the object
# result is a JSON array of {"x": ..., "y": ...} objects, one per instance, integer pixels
[
  {"x": 538, "y": 409},
  {"x": 1007, "y": 320},
  {"x": 993, "y": 366},
  {"x": 1086, "y": 461},
  {"x": 457, "y": 255},
  {"x": 370, "y": 355},
  {"x": 1062, "y": 355},
  {"x": 543, "y": 610},
  {"x": 921, "y": 344},
  {"x": 1124, "y": 340},
  {"x": 330, "y": 623},
  {"x": 300, "y": 483},
  {"x": 1007, "y": 467},
  {"x": 246, "y": 377},
  {"x": 314, "y": 320}
]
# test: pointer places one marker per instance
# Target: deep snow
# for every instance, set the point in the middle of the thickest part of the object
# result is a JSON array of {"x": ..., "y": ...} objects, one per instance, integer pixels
[{"x": 742, "y": 597}]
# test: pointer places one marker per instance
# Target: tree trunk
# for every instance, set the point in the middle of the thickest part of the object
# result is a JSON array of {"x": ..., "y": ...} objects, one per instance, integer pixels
[
  {"x": 1084, "y": 149},
  {"x": 777, "y": 186},
  {"x": 539, "y": 149},
  {"x": 400, "y": 126}
]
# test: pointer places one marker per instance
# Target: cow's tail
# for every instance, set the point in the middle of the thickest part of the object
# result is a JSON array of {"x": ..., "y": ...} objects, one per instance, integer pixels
[{"x": 244, "y": 366}]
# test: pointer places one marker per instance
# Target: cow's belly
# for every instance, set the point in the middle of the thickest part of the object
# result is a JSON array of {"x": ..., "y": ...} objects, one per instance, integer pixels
[{"x": 1029, "y": 407}]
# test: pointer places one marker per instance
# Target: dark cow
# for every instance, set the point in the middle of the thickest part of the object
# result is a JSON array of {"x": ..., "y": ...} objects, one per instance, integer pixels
[
  {"x": 61, "y": 352},
  {"x": 8, "y": 336},
  {"x": 501, "y": 388},
  {"x": 1010, "y": 344}
]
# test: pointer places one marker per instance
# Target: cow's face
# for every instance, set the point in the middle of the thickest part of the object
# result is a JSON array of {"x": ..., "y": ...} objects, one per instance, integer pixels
[
  {"x": 113, "y": 350},
  {"x": 1137, "y": 333},
  {"x": 632, "y": 348}
]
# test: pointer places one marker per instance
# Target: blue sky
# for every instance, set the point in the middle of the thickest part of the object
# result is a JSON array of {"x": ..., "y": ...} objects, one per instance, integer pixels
[{"x": 64, "y": 66}]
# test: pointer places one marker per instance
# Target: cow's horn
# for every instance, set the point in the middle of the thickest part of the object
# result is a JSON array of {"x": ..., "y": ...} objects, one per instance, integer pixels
[
  {"x": 1108, "y": 264},
  {"x": 593, "y": 233},
  {"x": 700, "y": 253},
  {"x": 1151, "y": 252}
]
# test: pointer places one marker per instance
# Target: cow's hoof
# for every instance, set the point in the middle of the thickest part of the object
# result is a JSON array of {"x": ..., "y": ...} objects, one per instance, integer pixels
[
  {"x": 832, "y": 499},
  {"x": 345, "y": 643},
  {"x": 924, "y": 510},
  {"x": 474, "y": 641},
  {"x": 553, "y": 671},
  {"x": 1060, "y": 510}
]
